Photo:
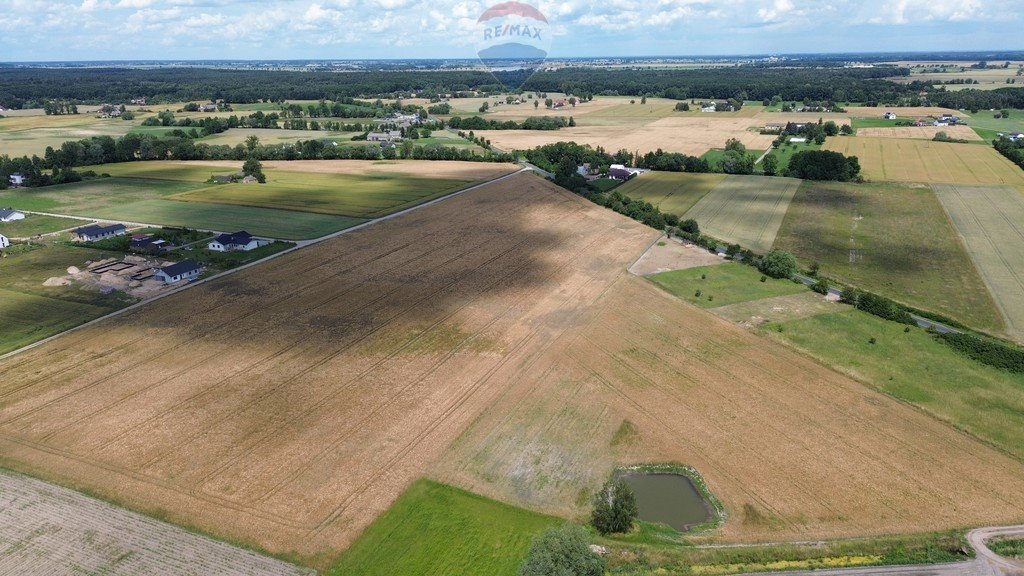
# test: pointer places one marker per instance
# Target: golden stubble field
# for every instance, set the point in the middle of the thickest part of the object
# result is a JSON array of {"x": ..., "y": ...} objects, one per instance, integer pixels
[
  {"x": 494, "y": 341},
  {"x": 890, "y": 159},
  {"x": 958, "y": 132}
]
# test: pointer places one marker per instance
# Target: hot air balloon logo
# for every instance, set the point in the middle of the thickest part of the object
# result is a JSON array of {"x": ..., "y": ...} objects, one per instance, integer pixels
[{"x": 513, "y": 41}]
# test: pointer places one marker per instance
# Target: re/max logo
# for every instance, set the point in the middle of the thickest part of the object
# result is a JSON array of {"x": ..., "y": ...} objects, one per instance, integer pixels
[{"x": 512, "y": 30}]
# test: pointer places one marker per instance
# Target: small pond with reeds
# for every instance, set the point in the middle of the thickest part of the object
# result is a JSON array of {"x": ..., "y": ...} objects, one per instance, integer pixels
[{"x": 670, "y": 499}]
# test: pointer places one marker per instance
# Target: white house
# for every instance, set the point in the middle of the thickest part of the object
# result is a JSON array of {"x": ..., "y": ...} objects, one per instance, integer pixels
[
  {"x": 889, "y": 116},
  {"x": 384, "y": 136},
  {"x": 709, "y": 108},
  {"x": 17, "y": 179},
  {"x": 238, "y": 242},
  {"x": 10, "y": 215},
  {"x": 4, "y": 242},
  {"x": 184, "y": 270},
  {"x": 95, "y": 232}
]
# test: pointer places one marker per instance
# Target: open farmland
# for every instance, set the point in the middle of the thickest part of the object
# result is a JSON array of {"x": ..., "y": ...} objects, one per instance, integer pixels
[
  {"x": 892, "y": 239},
  {"x": 672, "y": 192},
  {"x": 22, "y": 135},
  {"x": 302, "y": 199},
  {"x": 33, "y": 225},
  {"x": 925, "y": 161},
  {"x": 267, "y": 136},
  {"x": 990, "y": 219},
  {"x": 493, "y": 341},
  {"x": 959, "y": 132},
  {"x": 686, "y": 134},
  {"x": 46, "y": 529},
  {"x": 747, "y": 210}
]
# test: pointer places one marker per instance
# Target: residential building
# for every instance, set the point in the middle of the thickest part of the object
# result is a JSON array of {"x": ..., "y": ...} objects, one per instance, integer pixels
[
  {"x": 4, "y": 242},
  {"x": 208, "y": 108},
  {"x": 889, "y": 116},
  {"x": 240, "y": 241},
  {"x": 389, "y": 136},
  {"x": 10, "y": 215},
  {"x": 184, "y": 270},
  {"x": 17, "y": 179},
  {"x": 95, "y": 232},
  {"x": 150, "y": 244}
]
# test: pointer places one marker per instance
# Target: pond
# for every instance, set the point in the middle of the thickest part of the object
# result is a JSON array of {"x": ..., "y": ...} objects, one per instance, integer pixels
[{"x": 668, "y": 499}]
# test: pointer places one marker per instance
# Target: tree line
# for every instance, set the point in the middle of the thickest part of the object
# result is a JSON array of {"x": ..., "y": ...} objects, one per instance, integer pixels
[{"x": 531, "y": 123}]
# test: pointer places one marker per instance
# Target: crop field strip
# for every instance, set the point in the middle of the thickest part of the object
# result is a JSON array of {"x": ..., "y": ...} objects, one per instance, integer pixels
[
  {"x": 765, "y": 426},
  {"x": 890, "y": 159},
  {"x": 672, "y": 193},
  {"x": 270, "y": 490},
  {"x": 747, "y": 210},
  {"x": 990, "y": 219},
  {"x": 47, "y": 529}
]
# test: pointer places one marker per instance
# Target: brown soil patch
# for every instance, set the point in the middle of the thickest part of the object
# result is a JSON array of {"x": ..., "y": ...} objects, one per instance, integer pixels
[{"x": 673, "y": 254}]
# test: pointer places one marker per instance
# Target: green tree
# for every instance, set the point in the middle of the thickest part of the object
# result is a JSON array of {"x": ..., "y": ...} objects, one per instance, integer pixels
[
  {"x": 614, "y": 507},
  {"x": 778, "y": 264},
  {"x": 253, "y": 167},
  {"x": 561, "y": 552},
  {"x": 734, "y": 162},
  {"x": 252, "y": 142},
  {"x": 735, "y": 145},
  {"x": 770, "y": 164}
]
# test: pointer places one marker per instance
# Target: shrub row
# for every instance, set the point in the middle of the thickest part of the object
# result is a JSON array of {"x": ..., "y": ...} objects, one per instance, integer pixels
[{"x": 1001, "y": 355}]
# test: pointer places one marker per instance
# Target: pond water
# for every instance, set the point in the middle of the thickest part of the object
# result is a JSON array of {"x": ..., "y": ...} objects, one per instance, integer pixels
[{"x": 668, "y": 499}]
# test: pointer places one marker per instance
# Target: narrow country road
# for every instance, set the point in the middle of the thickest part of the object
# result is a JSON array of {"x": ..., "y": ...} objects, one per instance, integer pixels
[{"x": 986, "y": 562}]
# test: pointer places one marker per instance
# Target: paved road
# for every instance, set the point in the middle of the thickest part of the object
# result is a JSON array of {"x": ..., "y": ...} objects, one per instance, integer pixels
[
  {"x": 920, "y": 320},
  {"x": 986, "y": 563}
]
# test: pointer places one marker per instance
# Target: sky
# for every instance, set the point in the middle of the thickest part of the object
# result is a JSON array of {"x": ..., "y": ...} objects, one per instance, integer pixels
[{"x": 54, "y": 30}]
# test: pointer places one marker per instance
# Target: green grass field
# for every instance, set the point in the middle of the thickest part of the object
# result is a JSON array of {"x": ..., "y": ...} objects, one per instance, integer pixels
[
  {"x": 33, "y": 225},
  {"x": 158, "y": 170},
  {"x": 747, "y": 210},
  {"x": 28, "y": 318},
  {"x": 915, "y": 367},
  {"x": 1008, "y": 547},
  {"x": 984, "y": 120},
  {"x": 723, "y": 284},
  {"x": 876, "y": 122},
  {"x": 438, "y": 530},
  {"x": 893, "y": 239},
  {"x": 715, "y": 155},
  {"x": 785, "y": 153},
  {"x": 672, "y": 192},
  {"x": 357, "y": 196}
]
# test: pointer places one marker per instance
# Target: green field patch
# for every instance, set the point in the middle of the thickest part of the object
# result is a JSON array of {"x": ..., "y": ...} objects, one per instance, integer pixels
[
  {"x": 438, "y": 530},
  {"x": 746, "y": 210},
  {"x": 891, "y": 239},
  {"x": 672, "y": 192},
  {"x": 715, "y": 155},
  {"x": 91, "y": 196},
  {"x": 282, "y": 224},
  {"x": 914, "y": 366},
  {"x": 28, "y": 318},
  {"x": 34, "y": 224},
  {"x": 357, "y": 196},
  {"x": 723, "y": 284},
  {"x": 785, "y": 152},
  {"x": 879, "y": 122},
  {"x": 161, "y": 170}
]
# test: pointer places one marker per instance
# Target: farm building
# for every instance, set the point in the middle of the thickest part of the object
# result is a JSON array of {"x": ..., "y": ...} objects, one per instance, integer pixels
[
  {"x": 149, "y": 244},
  {"x": 775, "y": 127},
  {"x": 208, "y": 108},
  {"x": 238, "y": 242},
  {"x": 889, "y": 116},
  {"x": 10, "y": 215},
  {"x": 184, "y": 270},
  {"x": 4, "y": 242},
  {"x": 622, "y": 172},
  {"x": 95, "y": 232},
  {"x": 389, "y": 136},
  {"x": 17, "y": 179}
]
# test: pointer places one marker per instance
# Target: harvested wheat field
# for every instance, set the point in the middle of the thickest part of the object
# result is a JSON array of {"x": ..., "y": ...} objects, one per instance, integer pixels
[
  {"x": 990, "y": 220},
  {"x": 793, "y": 449},
  {"x": 496, "y": 341},
  {"x": 958, "y": 132},
  {"x": 692, "y": 135},
  {"x": 288, "y": 405},
  {"x": 889, "y": 159}
]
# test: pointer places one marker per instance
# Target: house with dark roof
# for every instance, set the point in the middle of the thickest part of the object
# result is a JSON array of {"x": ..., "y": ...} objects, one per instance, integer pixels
[
  {"x": 149, "y": 244},
  {"x": 95, "y": 232},
  {"x": 10, "y": 215},
  {"x": 240, "y": 241},
  {"x": 184, "y": 270}
]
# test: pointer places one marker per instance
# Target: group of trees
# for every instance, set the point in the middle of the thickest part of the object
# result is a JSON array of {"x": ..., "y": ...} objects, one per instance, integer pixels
[
  {"x": 531, "y": 123},
  {"x": 823, "y": 165},
  {"x": 1014, "y": 151},
  {"x": 59, "y": 107}
]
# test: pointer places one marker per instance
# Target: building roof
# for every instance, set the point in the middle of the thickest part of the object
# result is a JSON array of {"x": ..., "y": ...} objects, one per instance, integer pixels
[
  {"x": 7, "y": 212},
  {"x": 96, "y": 230},
  {"x": 183, "y": 267},
  {"x": 240, "y": 238}
]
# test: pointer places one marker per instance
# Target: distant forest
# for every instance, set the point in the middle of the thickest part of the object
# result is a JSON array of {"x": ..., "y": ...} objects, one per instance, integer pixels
[{"x": 32, "y": 87}]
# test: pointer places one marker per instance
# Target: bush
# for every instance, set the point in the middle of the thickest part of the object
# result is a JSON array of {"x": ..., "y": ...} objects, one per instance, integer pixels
[
  {"x": 778, "y": 264},
  {"x": 1003, "y": 356},
  {"x": 689, "y": 226},
  {"x": 823, "y": 165},
  {"x": 561, "y": 551},
  {"x": 614, "y": 508},
  {"x": 883, "y": 308},
  {"x": 821, "y": 286},
  {"x": 849, "y": 296}
]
